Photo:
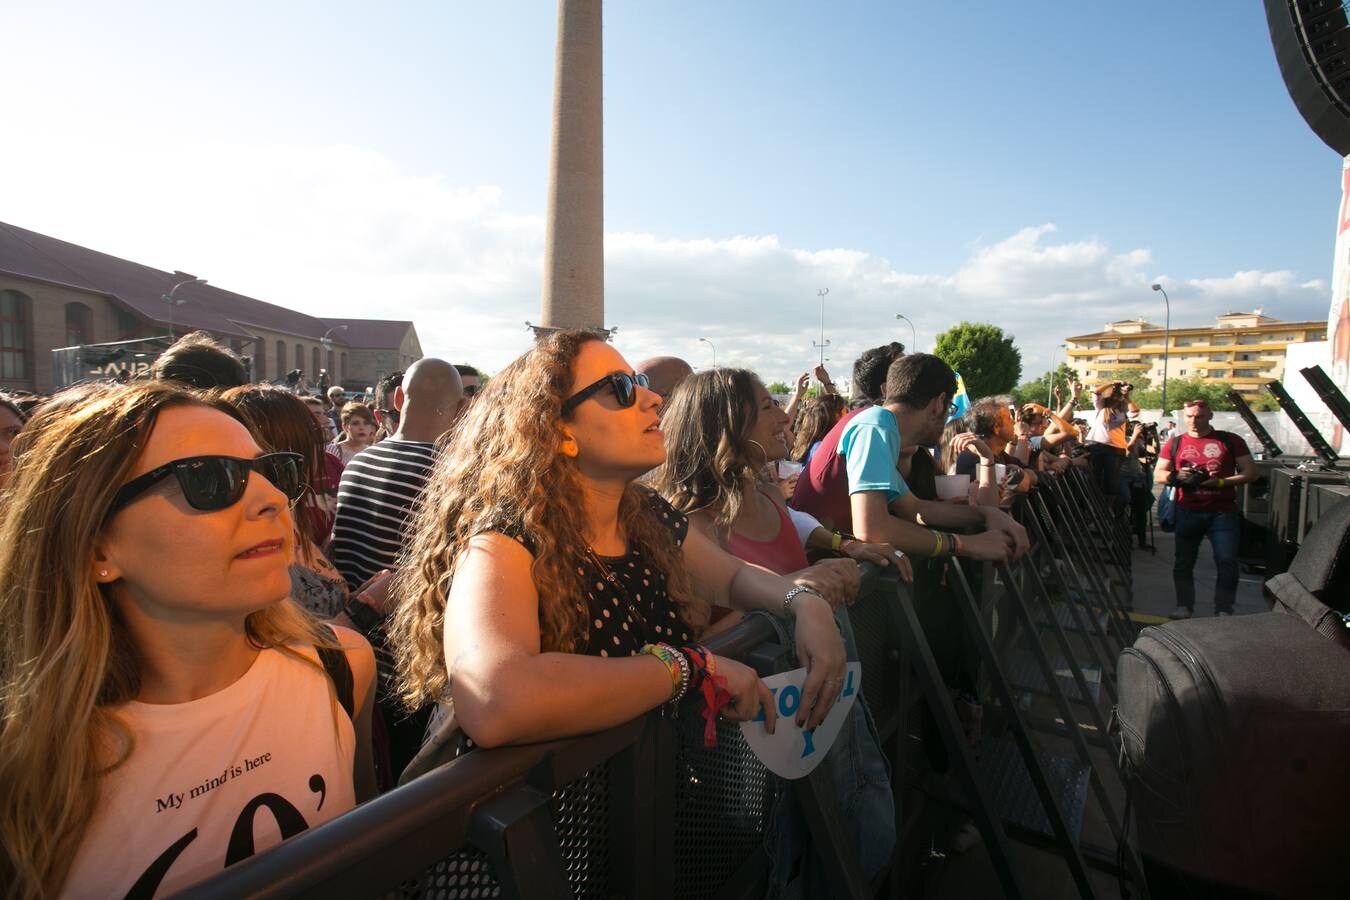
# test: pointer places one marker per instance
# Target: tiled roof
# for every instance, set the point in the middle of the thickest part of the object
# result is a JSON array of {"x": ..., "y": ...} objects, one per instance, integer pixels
[
  {"x": 27, "y": 254},
  {"x": 373, "y": 333}
]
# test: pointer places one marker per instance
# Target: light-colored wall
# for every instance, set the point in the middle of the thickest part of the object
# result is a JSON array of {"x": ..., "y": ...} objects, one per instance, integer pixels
[
  {"x": 368, "y": 365},
  {"x": 47, "y": 327}
]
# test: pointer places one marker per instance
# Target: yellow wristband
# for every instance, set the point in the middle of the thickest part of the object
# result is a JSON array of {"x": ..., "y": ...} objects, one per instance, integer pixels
[
  {"x": 937, "y": 544},
  {"x": 835, "y": 541},
  {"x": 1220, "y": 482}
]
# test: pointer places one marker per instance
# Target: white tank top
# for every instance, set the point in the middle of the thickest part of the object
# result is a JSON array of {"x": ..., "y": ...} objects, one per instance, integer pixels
[{"x": 216, "y": 780}]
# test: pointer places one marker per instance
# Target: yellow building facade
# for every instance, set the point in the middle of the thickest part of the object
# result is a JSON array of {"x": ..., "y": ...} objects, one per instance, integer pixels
[{"x": 1241, "y": 350}]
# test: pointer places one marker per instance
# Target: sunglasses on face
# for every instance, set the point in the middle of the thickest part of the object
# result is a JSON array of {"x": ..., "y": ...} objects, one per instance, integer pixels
[
  {"x": 471, "y": 390},
  {"x": 624, "y": 386},
  {"x": 217, "y": 482}
]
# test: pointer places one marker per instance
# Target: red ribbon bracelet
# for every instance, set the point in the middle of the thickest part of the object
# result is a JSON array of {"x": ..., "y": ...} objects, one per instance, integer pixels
[{"x": 715, "y": 698}]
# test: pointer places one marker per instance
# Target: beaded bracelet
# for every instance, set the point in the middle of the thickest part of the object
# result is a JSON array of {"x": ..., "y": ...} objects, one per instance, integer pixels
[{"x": 676, "y": 664}]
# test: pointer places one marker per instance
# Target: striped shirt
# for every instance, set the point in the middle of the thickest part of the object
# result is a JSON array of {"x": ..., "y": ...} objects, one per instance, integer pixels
[{"x": 375, "y": 500}]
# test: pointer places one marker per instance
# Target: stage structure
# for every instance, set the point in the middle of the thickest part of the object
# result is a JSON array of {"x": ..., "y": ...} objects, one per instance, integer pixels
[{"x": 1312, "y": 46}]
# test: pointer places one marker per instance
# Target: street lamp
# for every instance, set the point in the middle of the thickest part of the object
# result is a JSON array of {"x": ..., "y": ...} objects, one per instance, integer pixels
[
  {"x": 913, "y": 335},
  {"x": 1167, "y": 331},
  {"x": 172, "y": 301},
  {"x": 1050, "y": 387},
  {"x": 327, "y": 342},
  {"x": 714, "y": 350},
  {"x": 823, "y": 343}
]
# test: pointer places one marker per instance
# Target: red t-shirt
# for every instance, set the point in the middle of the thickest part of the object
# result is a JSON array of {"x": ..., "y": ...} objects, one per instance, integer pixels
[
  {"x": 1216, "y": 453},
  {"x": 822, "y": 488}
]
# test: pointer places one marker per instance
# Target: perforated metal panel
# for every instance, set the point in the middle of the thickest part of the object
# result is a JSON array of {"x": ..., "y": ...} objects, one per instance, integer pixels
[
  {"x": 723, "y": 800},
  {"x": 466, "y": 875},
  {"x": 581, "y": 820},
  {"x": 880, "y": 673}
]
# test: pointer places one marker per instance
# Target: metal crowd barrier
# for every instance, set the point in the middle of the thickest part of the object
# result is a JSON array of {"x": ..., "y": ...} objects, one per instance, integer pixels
[{"x": 645, "y": 810}]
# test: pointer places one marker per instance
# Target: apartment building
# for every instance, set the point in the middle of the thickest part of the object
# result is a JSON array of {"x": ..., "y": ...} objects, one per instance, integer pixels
[{"x": 1243, "y": 350}]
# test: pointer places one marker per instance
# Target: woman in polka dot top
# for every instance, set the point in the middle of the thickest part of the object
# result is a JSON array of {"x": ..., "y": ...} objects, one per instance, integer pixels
[{"x": 538, "y": 569}]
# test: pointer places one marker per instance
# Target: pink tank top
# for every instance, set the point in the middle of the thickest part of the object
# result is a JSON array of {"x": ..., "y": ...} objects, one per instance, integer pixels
[{"x": 782, "y": 555}]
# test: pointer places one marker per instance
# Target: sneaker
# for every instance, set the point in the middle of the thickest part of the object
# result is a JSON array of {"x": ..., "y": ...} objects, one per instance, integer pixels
[
  {"x": 1223, "y": 612},
  {"x": 1181, "y": 612}
]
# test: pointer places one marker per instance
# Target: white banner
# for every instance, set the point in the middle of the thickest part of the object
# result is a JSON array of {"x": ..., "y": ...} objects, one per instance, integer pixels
[
  {"x": 1338, "y": 318},
  {"x": 791, "y": 752}
]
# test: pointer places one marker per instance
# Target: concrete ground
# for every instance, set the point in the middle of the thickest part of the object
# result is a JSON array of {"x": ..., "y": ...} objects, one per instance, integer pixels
[{"x": 1155, "y": 597}]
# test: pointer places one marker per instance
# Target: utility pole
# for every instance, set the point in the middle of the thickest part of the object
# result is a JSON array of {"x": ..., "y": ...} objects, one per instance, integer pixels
[{"x": 823, "y": 343}]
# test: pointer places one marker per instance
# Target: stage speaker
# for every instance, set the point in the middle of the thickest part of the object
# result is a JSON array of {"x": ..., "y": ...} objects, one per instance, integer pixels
[{"x": 1312, "y": 46}]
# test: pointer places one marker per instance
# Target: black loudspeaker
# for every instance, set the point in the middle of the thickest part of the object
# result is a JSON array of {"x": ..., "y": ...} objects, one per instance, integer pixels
[{"x": 1312, "y": 46}]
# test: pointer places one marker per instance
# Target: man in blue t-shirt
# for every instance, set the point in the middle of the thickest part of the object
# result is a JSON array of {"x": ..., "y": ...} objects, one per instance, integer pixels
[{"x": 853, "y": 485}]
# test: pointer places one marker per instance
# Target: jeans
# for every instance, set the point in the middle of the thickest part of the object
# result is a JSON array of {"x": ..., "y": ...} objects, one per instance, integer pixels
[
  {"x": 862, "y": 786},
  {"x": 1104, "y": 461},
  {"x": 1223, "y": 530}
]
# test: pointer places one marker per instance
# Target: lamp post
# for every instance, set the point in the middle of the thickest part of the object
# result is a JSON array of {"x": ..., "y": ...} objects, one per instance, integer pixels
[
  {"x": 913, "y": 334},
  {"x": 823, "y": 343},
  {"x": 1167, "y": 332},
  {"x": 326, "y": 342},
  {"x": 1050, "y": 386},
  {"x": 714, "y": 350},
  {"x": 172, "y": 301}
]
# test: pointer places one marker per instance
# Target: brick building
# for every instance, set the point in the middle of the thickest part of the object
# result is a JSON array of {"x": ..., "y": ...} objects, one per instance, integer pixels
[{"x": 55, "y": 294}]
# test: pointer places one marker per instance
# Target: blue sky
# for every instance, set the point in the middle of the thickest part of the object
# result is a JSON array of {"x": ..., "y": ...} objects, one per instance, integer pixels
[{"x": 1036, "y": 165}]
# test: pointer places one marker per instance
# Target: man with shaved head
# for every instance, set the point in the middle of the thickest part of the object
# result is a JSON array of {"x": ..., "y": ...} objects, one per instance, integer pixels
[
  {"x": 665, "y": 374},
  {"x": 381, "y": 483},
  {"x": 375, "y": 500}
]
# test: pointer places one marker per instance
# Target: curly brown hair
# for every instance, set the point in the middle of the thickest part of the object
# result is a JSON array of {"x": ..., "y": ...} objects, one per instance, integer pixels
[{"x": 503, "y": 472}]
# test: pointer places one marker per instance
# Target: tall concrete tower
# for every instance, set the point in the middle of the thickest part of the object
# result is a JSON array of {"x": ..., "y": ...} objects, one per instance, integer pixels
[{"x": 574, "y": 248}]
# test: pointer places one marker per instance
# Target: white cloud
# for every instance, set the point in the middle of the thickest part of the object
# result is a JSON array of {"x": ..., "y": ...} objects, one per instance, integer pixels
[{"x": 344, "y": 231}]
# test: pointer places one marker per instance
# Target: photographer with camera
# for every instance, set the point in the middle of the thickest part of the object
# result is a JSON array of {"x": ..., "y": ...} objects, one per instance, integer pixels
[
  {"x": 1205, "y": 464},
  {"x": 1136, "y": 474},
  {"x": 1106, "y": 441}
]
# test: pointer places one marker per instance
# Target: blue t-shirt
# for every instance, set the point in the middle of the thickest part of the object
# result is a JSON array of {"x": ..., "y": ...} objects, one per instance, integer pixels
[{"x": 870, "y": 446}]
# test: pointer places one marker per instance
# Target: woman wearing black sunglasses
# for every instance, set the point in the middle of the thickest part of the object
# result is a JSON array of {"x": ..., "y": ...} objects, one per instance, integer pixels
[
  {"x": 160, "y": 693},
  {"x": 535, "y": 555}
]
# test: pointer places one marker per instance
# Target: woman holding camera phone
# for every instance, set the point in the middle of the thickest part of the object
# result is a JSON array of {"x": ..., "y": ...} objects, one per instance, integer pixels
[{"x": 1106, "y": 441}]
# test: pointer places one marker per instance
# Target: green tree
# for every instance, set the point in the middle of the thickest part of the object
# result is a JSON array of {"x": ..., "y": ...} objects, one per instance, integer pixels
[
  {"x": 778, "y": 387},
  {"x": 1036, "y": 390},
  {"x": 1180, "y": 390},
  {"x": 984, "y": 356}
]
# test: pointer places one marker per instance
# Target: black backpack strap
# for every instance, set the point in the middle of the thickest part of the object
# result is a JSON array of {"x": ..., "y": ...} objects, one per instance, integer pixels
[{"x": 340, "y": 673}]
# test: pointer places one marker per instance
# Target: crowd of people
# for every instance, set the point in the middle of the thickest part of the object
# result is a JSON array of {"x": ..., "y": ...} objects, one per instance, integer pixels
[{"x": 228, "y": 600}]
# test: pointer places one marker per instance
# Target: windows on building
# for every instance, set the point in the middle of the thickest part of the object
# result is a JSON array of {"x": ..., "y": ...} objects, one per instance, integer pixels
[
  {"x": 15, "y": 317},
  {"x": 314, "y": 367},
  {"x": 281, "y": 359},
  {"x": 79, "y": 325},
  {"x": 128, "y": 326},
  {"x": 300, "y": 357}
]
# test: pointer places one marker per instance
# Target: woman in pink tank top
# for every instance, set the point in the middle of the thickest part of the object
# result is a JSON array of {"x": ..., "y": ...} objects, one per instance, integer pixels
[{"x": 723, "y": 431}]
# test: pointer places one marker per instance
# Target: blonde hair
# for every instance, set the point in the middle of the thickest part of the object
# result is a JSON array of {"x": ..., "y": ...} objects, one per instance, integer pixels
[
  {"x": 66, "y": 660},
  {"x": 503, "y": 472}
]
